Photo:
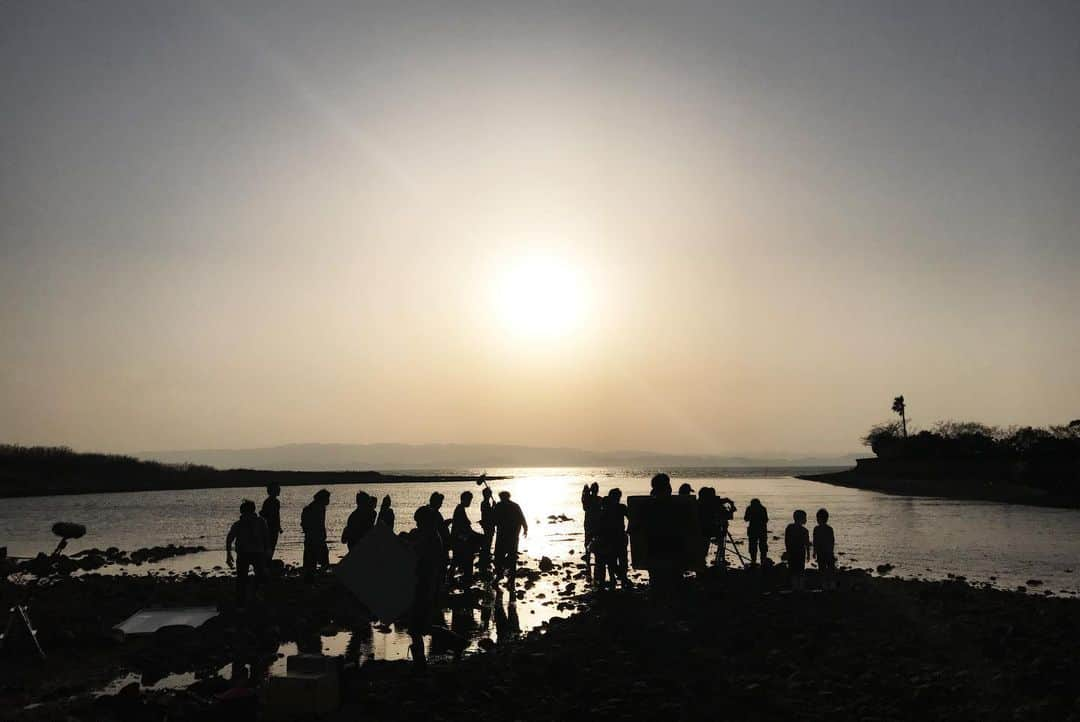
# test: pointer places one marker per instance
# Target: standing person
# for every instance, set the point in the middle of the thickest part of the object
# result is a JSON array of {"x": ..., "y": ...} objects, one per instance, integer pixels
[
  {"x": 797, "y": 548},
  {"x": 463, "y": 539},
  {"x": 509, "y": 524},
  {"x": 613, "y": 540},
  {"x": 725, "y": 512},
  {"x": 251, "y": 536},
  {"x": 825, "y": 549},
  {"x": 313, "y": 523},
  {"x": 430, "y": 565},
  {"x": 442, "y": 528},
  {"x": 591, "y": 506},
  {"x": 660, "y": 485},
  {"x": 686, "y": 490},
  {"x": 487, "y": 524},
  {"x": 708, "y": 521},
  {"x": 665, "y": 542},
  {"x": 360, "y": 521},
  {"x": 757, "y": 530},
  {"x": 271, "y": 514},
  {"x": 386, "y": 513}
]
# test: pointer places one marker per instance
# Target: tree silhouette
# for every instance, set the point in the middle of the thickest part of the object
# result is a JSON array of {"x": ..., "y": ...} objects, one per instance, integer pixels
[{"x": 899, "y": 407}]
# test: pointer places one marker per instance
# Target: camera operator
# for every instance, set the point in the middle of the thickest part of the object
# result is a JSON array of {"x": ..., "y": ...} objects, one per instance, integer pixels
[
  {"x": 757, "y": 531},
  {"x": 725, "y": 512},
  {"x": 708, "y": 520}
]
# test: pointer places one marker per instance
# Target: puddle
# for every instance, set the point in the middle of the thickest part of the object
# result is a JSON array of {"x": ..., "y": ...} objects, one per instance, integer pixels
[{"x": 493, "y": 613}]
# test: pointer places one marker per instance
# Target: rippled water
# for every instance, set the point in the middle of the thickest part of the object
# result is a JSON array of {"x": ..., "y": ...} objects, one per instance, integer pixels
[{"x": 923, "y": 536}]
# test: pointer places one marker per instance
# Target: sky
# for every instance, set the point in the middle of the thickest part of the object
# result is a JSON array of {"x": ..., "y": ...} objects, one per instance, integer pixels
[{"x": 683, "y": 227}]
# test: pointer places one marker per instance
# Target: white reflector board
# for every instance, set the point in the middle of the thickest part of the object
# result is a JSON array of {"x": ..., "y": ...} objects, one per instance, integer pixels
[
  {"x": 380, "y": 571},
  {"x": 148, "y": 621}
]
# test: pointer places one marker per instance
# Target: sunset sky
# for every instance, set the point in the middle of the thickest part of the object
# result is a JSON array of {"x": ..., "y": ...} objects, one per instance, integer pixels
[{"x": 689, "y": 227}]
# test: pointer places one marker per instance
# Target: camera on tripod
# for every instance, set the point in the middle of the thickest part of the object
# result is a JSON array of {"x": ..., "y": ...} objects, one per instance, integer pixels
[{"x": 725, "y": 509}]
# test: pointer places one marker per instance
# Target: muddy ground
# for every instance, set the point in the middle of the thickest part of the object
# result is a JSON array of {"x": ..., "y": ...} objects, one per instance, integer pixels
[{"x": 736, "y": 645}]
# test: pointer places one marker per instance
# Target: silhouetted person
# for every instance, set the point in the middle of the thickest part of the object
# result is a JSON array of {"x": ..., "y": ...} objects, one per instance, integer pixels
[
  {"x": 708, "y": 521},
  {"x": 664, "y": 540},
  {"x": 757, "y": 530},
  {"x": 251, "y": 537},
  {"x": 313, "y": 524},
  {"x": 591, "y": 506},
  {"x": 271, "y": 514},
  {"x": 442, "y": 528},
  {"x": 510, "y": 523},
  {"x": 386, "y": 513},
  {"x": 797, "y": 548},
  {"x": 725, "y": 512},
  {"x": 825, "y": 547},
  {"x": 660, "y": 485},
  {"x": 430, "y": 565},
  {"x": 612, "y": 558},
  {"x": 463, "y": 539},
  {"x": 686, "y": 490},
  {"x": 360, "y": 522},
  {"x": 487, "y": 524},
  {"x": 657, "y": 521}
]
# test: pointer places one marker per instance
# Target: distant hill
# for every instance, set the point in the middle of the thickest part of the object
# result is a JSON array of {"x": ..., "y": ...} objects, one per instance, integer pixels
[{"x": 336, "y": 457}]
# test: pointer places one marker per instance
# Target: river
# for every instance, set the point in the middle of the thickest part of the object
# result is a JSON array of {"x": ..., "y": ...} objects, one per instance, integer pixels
[{"x": 921, "y": 536}]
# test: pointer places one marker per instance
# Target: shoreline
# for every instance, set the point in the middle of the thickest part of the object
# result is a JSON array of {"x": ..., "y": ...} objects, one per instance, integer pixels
[
  {"x": 1005, "y": 493},
  {"x": 737, "y": 641},
  {"x": 241, "y": 479}
]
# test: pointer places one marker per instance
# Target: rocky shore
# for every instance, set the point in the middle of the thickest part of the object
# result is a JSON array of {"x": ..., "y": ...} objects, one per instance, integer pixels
[{"x": 737, "y": 645}]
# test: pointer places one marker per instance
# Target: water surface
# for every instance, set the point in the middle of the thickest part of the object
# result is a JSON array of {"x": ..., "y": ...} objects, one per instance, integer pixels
[{"x": 926, "y": 536}]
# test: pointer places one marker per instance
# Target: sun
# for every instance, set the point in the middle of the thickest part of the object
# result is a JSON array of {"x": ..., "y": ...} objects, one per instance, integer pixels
[{"x": 541, "y": 296}]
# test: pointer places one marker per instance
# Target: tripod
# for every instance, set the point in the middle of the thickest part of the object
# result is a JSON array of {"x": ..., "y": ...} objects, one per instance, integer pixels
[
  {"x": 18, "y": 616},
  {"x": 723, "y": 542}
]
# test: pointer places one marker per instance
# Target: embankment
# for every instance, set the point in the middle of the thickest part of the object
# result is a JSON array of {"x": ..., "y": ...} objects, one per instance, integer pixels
[{"x": 949, "y": 480}]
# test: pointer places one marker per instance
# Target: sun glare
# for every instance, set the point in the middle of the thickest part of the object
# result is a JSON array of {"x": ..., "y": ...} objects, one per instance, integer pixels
[{"x": 541, "y": 296}]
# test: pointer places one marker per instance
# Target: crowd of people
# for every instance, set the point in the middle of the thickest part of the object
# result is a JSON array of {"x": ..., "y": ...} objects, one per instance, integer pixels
[
  {"x": 449, "y": 551},
  {"x": 607, "y": 534}
]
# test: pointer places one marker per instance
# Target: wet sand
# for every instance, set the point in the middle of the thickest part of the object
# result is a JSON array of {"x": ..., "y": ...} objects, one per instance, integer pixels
[{"x": 736, "y": 645}]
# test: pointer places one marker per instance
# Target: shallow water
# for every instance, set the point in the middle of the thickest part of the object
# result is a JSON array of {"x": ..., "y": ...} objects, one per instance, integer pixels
[{"x": 922, "y": 537}]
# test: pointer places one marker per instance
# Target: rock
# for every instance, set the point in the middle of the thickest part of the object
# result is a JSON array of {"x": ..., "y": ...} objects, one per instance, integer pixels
[
  {"x": 131, "y": 690},
  {"x": 546, "y": 565}
]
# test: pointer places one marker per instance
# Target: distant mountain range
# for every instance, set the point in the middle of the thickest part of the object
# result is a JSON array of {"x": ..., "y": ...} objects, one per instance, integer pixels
[{"x": 339, "y": 457}]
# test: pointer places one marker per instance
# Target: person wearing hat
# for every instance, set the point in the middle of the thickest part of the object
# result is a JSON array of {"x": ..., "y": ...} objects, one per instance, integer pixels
[{"x": 313, "y": 523}]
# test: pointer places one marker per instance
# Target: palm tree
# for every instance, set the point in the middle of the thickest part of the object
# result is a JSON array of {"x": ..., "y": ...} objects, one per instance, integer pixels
[{"x": 899, "y": 407}]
